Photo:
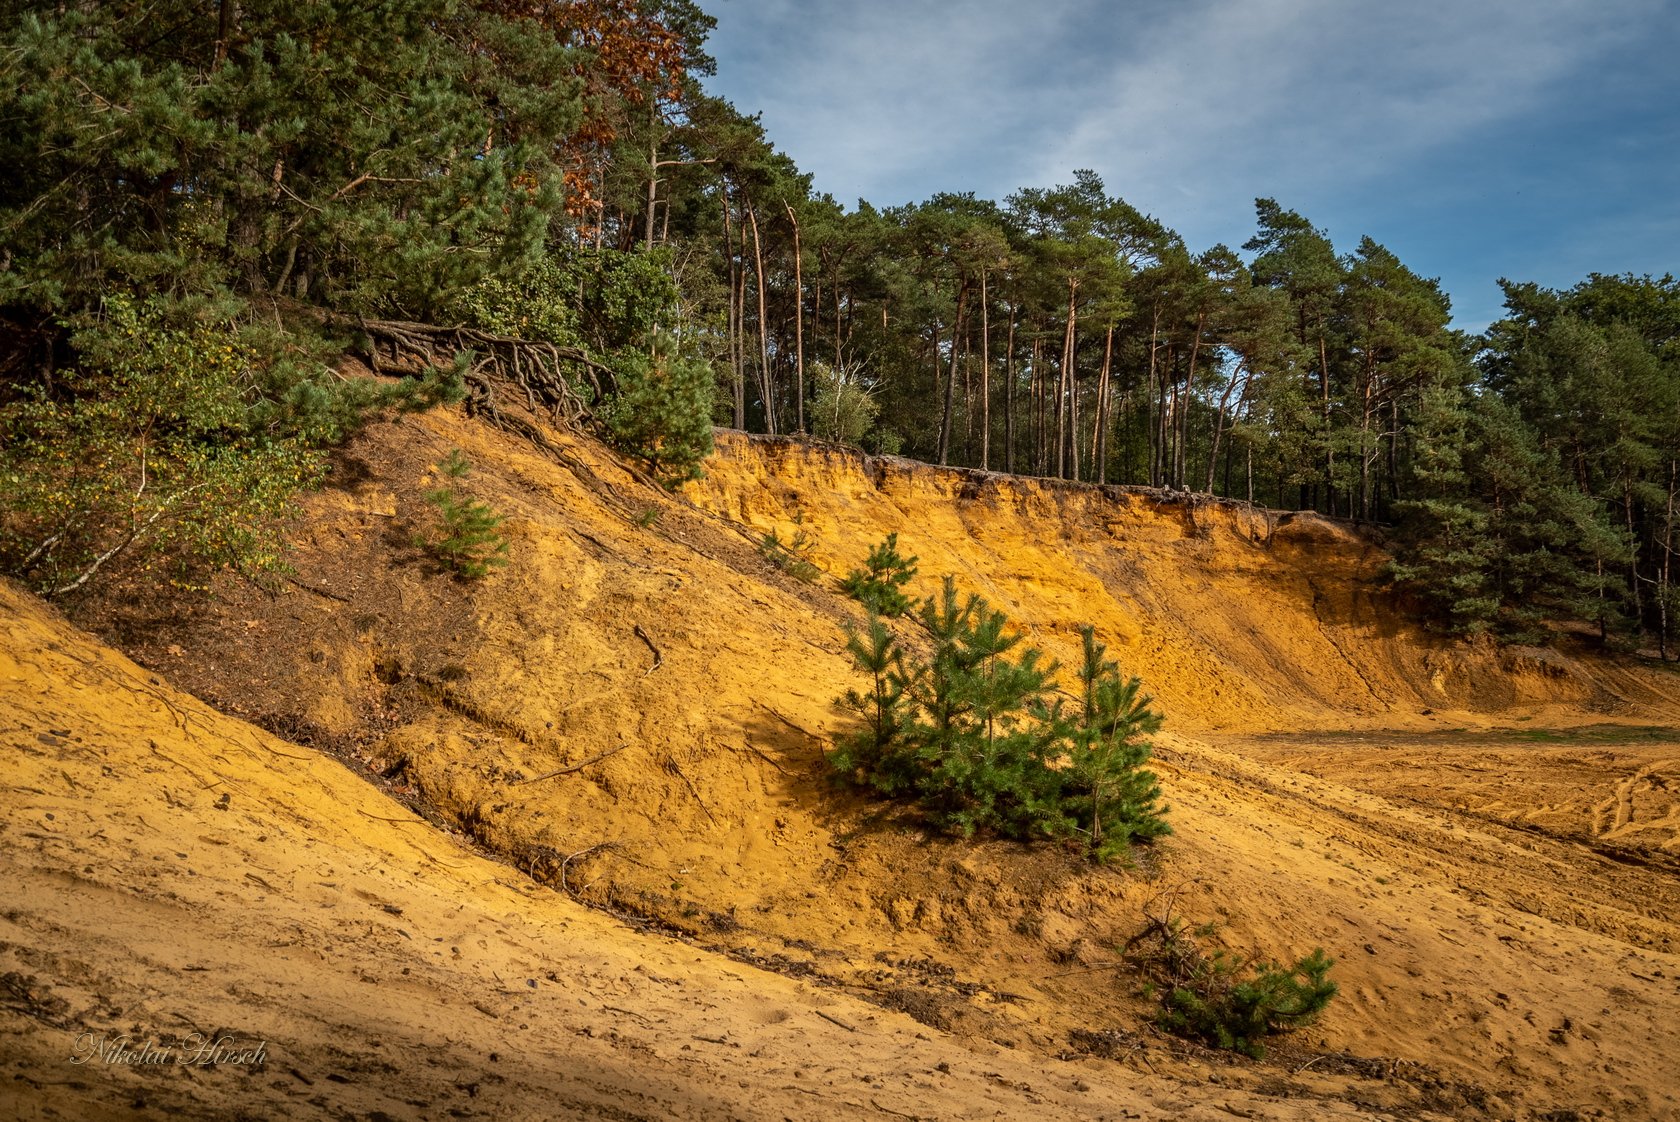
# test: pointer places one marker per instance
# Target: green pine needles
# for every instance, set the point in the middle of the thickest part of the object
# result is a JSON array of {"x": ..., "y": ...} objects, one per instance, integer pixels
[
  {"x": 974, "y": 736},
  {"x": 1224, "y": 999},
  {"x": 790, "y": 555},
  {"x": 879, "y": 585},
  {"x": 466, "y": 537}
]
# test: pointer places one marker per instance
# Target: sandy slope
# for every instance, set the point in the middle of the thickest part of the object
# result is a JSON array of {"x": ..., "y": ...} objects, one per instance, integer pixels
[
  {"x": 1505, "y": 924},
  {"x": 172, "y": 871}
]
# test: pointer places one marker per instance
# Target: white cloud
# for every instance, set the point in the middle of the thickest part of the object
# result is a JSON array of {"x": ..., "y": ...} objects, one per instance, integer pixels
[
  {"x": 1285, "y": 96},
  {"x": 1172, "y": 101}
]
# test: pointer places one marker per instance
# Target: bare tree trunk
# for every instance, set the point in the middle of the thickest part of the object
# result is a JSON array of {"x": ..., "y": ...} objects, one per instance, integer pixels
[
  {"x": 985, "y": 380},
  {"x": 737, "y": 372},
  {"x": 1329, "y": 447},
  {"x": 1219, "y": 428},
  {"x": 951, "y": 381},
  {"x": 1668, "y": 557},
  {"x": 227, "y": 14},
  {"x": 1181, "y": 462},
  {"x": 653, "y": 165},
  {"x": 1041, "y": 453},
  {"x": 1064, "y": 384},
  {"x": 766, "y": 382},
  {"x": 1099, "y": 434},
  {"x": 798, "y": 326},
  {"x": 1157, "y": 401},
  {"x": 1009, "y": 396}
]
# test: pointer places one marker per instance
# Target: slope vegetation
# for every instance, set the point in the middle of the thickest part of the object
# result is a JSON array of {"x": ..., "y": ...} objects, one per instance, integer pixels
[{"x": 634, "y": 712}]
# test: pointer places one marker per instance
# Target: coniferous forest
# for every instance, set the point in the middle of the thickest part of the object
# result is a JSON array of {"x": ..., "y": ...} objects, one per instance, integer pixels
[{"x": 205, "y": 204}]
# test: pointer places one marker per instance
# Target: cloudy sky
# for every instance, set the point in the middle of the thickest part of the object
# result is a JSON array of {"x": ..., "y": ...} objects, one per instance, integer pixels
[{"x": 1534, "y": 139}]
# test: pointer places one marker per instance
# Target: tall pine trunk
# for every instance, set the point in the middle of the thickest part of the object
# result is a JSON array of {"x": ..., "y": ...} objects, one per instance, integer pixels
[
  {"x": 798, "y": 326},
  {"x": 766, "y": 382}
]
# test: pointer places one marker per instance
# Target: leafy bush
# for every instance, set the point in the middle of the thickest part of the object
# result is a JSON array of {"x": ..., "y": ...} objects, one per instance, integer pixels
[
  {"x": 622, "y": 309},
  {"x": 466, "y": 538},
  {"x": 842, "y": 409},
  {"x": 877, "y": 586},
  {"x": 974, "y": 736},
  {"x": 539, "y": 301},
  {"x": 174, "y": 440},
  {"x": 1226, "y": 1000}
]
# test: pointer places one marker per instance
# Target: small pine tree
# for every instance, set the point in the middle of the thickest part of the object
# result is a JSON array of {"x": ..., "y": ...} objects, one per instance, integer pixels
[
  {"x": 467, "y": 537},
  {"x": 878, "y": 754},
  {"x": 1109, "y": 747},
  {"x": 661, "y": 410},
  {"x": 878, "y": 585},
  {"x": 790, "y": 555},
  {"x": 985, "y": 754},
  {"x": 1235, "y": 1005}
]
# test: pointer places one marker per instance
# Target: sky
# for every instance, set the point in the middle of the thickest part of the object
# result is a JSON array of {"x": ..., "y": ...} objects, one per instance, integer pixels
[{"x": 1532, "y": 139}]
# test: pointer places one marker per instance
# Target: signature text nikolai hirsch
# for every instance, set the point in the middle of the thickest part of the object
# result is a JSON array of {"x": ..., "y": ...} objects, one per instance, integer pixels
[{"x": 194, "y": 1050}]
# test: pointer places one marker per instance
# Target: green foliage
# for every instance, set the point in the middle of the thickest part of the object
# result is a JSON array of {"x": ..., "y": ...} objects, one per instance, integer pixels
[
  {"x": 973, "y": 735},
  {"x": 790, "y": 555},
  {"x": 178, "y": 441},
  {"x": 660, "y": 411},
  {"x": 374, "y": 158},
  {"x": 842, "y": 409},
  {"x": 621, "y": 308},
  {"x": 539, "y": 301},
  {"x": 1110, "y": 787},
  {"x": 879, "y": 585},
  {"x": 466, "y": 537},
  {"x": 1226, "y": 1000}
]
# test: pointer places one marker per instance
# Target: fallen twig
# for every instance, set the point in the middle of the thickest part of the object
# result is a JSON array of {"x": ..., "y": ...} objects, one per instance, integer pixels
[
  {"x": 318, "y": 591},
  {"x": 658, "y": 659},
  {"x": 1087, "y": 969},
  {"x": 834, "y": 1020},
  {"x": 671, "y": 766},
  {"x": 569, "y": 768},
  {"x": 755, "y": 751},
  {"x": 567, "y": 888}
]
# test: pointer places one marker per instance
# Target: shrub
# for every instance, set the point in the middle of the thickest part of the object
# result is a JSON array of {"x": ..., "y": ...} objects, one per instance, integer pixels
[
  {"x": 660, "y": 411},
  {"x": 1226, "y": 1000},
  {"x": 877, "y": 586},
  {"x": 973, "y": 735},
  {"x": 466, "y": 538},
  {"x": 842, "y": 409},
  {"x": 177, "y": 440},
  {"x": 789, "y": 556}
]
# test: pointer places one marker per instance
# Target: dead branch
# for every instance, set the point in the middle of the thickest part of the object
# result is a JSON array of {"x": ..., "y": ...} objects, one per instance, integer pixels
[
  {"x": 318, "y": 591},
  {"x": 579, "y": 766},
  {"x": 671, "y": 766},
  {"x": 755, "y": 751},
  {"x": 834, "y": 1020},
  {"x": 607, "y": 845},
  {"x": 658, "y": 659}
]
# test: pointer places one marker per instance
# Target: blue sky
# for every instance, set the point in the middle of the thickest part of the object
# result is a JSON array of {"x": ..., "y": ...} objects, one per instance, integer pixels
[{"x": 1534, "y": 139}]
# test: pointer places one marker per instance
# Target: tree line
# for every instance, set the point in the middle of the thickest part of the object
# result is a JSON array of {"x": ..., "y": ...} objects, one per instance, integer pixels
[{"x": 558, "y": 172}]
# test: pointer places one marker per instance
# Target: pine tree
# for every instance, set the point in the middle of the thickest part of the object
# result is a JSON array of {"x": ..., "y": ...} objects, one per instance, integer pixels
[
  {"x": 878, "y": 585},
  {"x": 1109, "y": 747},
  {"x": 879, "y": 753},
  {"x": 467, "y": 537}
]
